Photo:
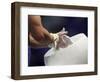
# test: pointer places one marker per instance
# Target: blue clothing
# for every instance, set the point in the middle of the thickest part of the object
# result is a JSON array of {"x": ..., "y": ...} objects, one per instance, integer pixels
[{"x": 36, "y": 56}]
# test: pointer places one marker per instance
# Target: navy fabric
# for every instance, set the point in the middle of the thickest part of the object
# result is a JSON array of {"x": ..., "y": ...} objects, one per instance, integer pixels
[
  {"x": 36, "y": 56},
  {"x": 73, "y": 25}
]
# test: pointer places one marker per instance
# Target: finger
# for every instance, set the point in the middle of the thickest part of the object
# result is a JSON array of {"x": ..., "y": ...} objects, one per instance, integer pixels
[
  {"x": 62, "y": 33},
  {"x": 49, "y": 38}
]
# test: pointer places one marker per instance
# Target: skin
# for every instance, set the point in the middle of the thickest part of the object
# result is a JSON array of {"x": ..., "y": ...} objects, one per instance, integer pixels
[{"x": 38, "y": 35}]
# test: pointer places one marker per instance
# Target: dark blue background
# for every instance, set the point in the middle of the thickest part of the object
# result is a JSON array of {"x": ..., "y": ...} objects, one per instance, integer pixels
[{"x": 73, "y": 25}]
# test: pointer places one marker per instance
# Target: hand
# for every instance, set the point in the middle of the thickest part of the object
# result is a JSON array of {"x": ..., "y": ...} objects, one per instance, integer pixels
[
  {"x": 42, "y": 35},
  {"x": 40, "y": 38}
]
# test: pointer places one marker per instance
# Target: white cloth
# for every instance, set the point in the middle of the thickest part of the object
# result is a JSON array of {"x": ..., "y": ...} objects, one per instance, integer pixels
[{"x": 75, "y": 53}]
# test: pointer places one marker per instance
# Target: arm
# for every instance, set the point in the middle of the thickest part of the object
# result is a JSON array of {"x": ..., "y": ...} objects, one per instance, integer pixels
[{"x": 38, "y": 35}]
